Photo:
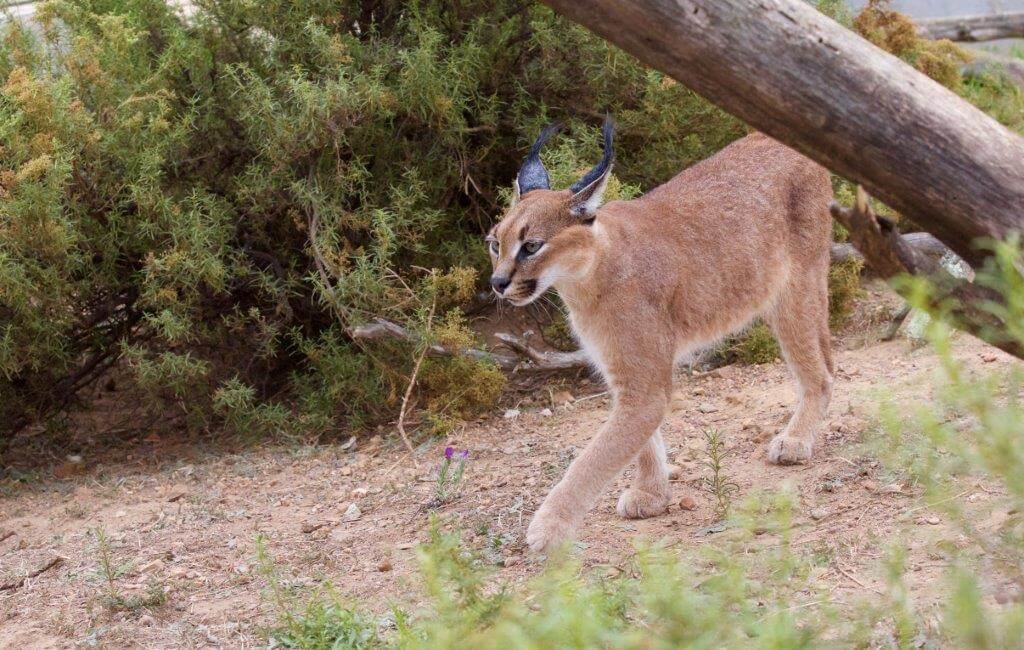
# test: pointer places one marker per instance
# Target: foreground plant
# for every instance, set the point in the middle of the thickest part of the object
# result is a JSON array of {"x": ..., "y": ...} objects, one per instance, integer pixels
[{"x": 449, "y": 476}]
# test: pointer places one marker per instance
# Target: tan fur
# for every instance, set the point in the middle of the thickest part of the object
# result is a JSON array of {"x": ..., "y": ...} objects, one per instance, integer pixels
[{"x": 742, "y": 234}]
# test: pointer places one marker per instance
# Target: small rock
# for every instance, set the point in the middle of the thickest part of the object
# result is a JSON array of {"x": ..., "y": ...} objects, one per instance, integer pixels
[
  {"x": 989, "y": 358},
  {"x": 819, "y": 513},
  {"x": 869, "y": 485},
  {"x": 120, "y": 513},
  {"x": 360, "y": 492},
  {"x": 892, "y": 488},
  {"x": 705, "y": 407},
  {"x": 674, "y": 472},
  {"x": 74, "y": 458},
  {"x": 310, "y": 526},
  {"x": 511, "y": 414},
  {"x": 722, "y": 372},
  {"x": 179, "y": 572},
  {"x": 384, "y": 566},
  {"x": 932, "y": 520},
  {"x": 512, "y": 561},
  {"x": 352, "y": 513},
  {"x": 1009, "y": 594},
  {"x": 545, "y": 413},
  {"x": 687, "y": 503},
  {"x": 748, "y": 424},
  {"x": 561, "y": 398},
  {"x": 346, "y": 471}
]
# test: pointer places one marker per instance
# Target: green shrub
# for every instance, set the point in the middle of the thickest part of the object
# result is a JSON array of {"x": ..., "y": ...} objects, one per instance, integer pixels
[
  {"x": 756, "y": 345},
  {"x": 843, "y": 287},
  {"x": 162, "y": 177}
]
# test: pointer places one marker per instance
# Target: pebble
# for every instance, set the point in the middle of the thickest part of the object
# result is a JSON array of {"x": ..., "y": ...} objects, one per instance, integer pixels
[
  {"x": 311, "y": 526},
  {"x": 819, "y": 513},
  {"x": 360, "y": 492},
  {"x": 384, "y": 566},
  {"x": 545, "y": 413},
  {"x": 511, "y": 414},
  {"x": 707, "y": 408},
  {"x": 687, "y": 503},
  {"x": 352, "y": 513},
  {"x": 561, "y": 398},
  {"x": 512, "y": 561}
]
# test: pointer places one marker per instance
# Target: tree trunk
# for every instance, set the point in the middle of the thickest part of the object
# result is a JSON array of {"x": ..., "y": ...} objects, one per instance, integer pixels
[
  {"x": 803, "y": 79},
  {"x": 973, "y": 28}
]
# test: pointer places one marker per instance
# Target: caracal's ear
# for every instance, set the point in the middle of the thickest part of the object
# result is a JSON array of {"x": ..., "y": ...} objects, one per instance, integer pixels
[
  {"x": 588, "y": 192},
  {"x": 532, "y": 174}
]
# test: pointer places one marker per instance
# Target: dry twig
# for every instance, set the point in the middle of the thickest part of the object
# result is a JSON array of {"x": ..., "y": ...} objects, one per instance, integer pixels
[
  {"x": 15, "y": 584},
  {"x": 412, "y": 382}
]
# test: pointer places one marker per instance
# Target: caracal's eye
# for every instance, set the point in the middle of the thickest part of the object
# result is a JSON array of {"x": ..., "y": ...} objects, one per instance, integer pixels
[
  {"x": 532, "y": 247},
  {"x": 494, "y": 247}
]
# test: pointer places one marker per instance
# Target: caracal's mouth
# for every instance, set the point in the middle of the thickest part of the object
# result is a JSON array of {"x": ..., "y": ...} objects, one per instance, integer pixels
[{"x": 526, "y": 292}]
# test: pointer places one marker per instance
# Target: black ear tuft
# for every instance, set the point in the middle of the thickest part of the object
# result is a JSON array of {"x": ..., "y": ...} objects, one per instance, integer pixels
[
  {"x": 532, "y": 175},
  {"x": 599, "y": 170}
]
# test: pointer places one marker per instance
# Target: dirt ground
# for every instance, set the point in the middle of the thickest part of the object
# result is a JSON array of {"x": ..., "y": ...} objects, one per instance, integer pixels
[{"x": 174, "y": 525}]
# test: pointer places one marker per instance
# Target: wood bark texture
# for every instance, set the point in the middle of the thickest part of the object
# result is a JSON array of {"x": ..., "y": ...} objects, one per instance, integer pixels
[{"x": 988, "y": 27}]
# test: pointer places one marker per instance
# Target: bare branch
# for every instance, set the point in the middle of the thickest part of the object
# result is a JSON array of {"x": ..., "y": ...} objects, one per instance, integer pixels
[
  {"x": 412, "y": 383},
  {"x": 536, "y": 360},
  {"x": 923, "y": 242},
  {"x": 988, "y": 27},
  {"x": 544, "y": 361}
]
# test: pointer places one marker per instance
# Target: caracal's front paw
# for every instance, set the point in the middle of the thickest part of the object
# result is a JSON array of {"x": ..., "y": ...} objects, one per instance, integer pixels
[
  {"x": 789, "y": 450},
  {"x": 548, "y": 531},
  {"x": 635, "y": 503}
]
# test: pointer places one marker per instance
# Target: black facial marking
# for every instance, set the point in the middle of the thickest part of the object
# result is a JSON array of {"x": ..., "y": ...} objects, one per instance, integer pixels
[{"x": 522, "y": 232}]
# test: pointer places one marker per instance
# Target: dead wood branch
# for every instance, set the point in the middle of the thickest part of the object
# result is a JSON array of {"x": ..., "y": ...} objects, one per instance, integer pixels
[
  {"x": 922, "y": 242},
  {"x": 536, "y": 360},
  {"x": 412, "y": 383},
  {"x": 890, "y": 255},
  {"x": 988, "y": 27},
  {"x": 544, "y": 361},
  {"x": 46, "y": 566}
]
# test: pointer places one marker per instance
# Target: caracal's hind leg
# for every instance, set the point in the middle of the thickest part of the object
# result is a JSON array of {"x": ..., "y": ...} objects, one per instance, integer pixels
[
  {"x": 649, "y": 495},
  {"x": 800, "y": 323},
  {"x": 640, "y": 397}
]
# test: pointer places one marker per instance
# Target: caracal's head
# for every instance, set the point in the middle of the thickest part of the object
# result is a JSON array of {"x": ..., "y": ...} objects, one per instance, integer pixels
[{"x": 546, "y": 239}]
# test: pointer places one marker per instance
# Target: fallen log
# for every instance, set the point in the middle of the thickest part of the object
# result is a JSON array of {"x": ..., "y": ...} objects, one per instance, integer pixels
[
  {"x": 972, "y": 29},
  {"x": 793, "y": 73}
]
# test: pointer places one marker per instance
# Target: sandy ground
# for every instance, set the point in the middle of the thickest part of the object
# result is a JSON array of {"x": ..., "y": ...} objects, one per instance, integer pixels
[{"x": 181, "y": 521}]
